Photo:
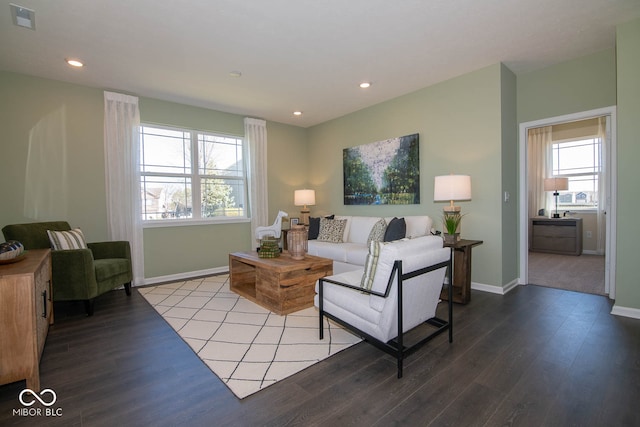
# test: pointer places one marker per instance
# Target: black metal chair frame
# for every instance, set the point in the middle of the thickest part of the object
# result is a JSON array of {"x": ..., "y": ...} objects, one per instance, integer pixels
[{"x": 395, "y": 347}]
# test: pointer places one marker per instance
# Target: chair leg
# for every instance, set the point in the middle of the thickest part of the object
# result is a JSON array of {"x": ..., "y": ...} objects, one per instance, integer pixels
[
  {"x": 127, "y": 288},
  {"x": 88, "y": 306}
]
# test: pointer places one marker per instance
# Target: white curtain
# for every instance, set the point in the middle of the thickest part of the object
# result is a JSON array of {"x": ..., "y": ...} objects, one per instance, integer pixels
[
  {"x": 603, "y": 196},
  {"x": 255, "y": 132},
  {"x": 540, "y": 166},
  {"x": 122, "y": 170}
]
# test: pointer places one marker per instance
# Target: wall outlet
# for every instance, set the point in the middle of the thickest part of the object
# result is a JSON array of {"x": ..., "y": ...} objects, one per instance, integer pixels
[{"x": 589, "y": 235}]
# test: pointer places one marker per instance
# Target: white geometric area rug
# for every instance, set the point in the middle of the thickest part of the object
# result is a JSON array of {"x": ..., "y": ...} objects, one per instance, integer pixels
[{"x": 246, "y": 346}]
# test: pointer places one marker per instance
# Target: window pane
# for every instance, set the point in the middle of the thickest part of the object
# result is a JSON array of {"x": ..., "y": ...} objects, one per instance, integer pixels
[
  {"x": 222, "y": 197},
  {"x": 165, "y": 151},
  {"x": 580, "y": 162},
  {"x": 166, "y": 198},
  {"x": 220, "y": 156}
]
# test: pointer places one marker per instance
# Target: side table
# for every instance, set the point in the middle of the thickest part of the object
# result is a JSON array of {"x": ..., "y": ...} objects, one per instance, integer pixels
[{"x": 461, "y": 270}]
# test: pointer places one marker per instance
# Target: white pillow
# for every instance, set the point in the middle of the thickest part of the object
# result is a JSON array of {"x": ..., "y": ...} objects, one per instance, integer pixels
[{"x": 65, "y": 240}]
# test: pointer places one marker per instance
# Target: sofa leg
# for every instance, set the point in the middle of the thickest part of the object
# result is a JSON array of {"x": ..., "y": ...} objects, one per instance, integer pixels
[
  {"x": 88, "y": 306},
  {"x": 127, "y": 288}
]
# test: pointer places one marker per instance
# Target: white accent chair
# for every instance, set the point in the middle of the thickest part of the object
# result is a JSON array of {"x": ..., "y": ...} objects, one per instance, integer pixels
[{"x": 404, "y": 294}]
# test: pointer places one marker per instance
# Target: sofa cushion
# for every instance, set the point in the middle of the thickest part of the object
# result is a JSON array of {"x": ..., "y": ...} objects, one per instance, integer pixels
[
  {"x": 358, "y": 301},
  {"x": 65, "y": 240},
  {"x": 110, "y": 267},
  {"x": 357, "y": 253},
  {"x": 34, "y": 235},
  {"x": 396, "y": 230},
  {"x": 332, "y": 230},
  {"x": 360, "y": 228},
  {"x": 418, "y": 226},
  {"x": 334, "y": 251}
]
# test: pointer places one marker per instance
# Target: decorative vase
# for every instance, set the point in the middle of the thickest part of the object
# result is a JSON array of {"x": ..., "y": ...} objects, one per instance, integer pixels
[
  {"x": 451, "y": 238},
  {"x": 297, "y": 241}
]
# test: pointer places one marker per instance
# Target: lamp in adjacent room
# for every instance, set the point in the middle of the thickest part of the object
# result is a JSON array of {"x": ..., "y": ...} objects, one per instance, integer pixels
[
  {"x": 452, "y": 188},
  {"x": 304, "y": 198},
  {"x": 556, "y": 185}
]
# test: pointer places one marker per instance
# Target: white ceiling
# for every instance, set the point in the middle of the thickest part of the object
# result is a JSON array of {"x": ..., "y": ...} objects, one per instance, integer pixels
[{"x": 307, "y": 55}]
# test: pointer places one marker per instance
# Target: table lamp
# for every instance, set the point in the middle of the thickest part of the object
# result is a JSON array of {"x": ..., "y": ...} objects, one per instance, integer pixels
[
  {"x": 556, "y": 185},
  {"x": 304, "y": 198}
]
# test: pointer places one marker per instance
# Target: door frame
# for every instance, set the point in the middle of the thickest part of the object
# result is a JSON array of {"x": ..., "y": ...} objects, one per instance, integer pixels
[{"x": 610, "y": 203}]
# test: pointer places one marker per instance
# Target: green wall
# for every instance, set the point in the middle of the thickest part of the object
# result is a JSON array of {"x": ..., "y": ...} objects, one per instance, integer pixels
[
  {"x": 58, "y": 127},
  {"x": 580, "y": 84},
  {"x": 628, "y": 230},
  {"x": 509, "y": 167},
  {"x": 461, "y": 131}
]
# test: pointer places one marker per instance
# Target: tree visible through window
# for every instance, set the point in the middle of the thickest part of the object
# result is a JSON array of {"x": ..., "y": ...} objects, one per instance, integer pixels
[
  {"x": 580, "y": 161},
  {"x": 187, "y": 174}
]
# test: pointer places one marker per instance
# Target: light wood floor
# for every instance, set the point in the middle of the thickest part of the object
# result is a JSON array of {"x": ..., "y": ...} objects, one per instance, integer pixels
[{"x": 534, "y": 357}]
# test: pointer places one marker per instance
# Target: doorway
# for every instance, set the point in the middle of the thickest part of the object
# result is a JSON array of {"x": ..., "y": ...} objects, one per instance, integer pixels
[{"x": 606, "y": 206}]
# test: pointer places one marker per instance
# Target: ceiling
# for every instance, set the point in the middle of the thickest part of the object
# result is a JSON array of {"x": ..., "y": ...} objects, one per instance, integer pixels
[{"x": 306, "y": 55}]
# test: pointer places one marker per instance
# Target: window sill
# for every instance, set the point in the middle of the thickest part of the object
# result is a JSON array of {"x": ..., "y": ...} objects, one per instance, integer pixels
[{"x": 193, "y": 222}]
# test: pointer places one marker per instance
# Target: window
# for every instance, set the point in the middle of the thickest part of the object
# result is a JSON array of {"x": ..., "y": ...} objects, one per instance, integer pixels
[
  {"x": 186, "y": 174},
  {"x": 580, "y": 161}
]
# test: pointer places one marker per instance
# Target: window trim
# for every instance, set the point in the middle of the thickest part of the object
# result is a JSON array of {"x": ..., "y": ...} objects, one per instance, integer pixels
[{"x": 195, "y": 174}]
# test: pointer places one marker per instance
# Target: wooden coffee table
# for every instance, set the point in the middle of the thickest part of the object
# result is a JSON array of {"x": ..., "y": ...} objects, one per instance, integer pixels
[{"x": 281, "y": 285}]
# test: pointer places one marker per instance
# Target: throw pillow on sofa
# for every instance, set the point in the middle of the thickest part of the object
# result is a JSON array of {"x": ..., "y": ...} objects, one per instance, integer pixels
[
  {"x": 314, "y": 226},
  {"x": 331, "y": 230},
  {"x": 65, "y": 240},
  {"x": 377, "y": 232},
  {"x": 396, "y": 230}
]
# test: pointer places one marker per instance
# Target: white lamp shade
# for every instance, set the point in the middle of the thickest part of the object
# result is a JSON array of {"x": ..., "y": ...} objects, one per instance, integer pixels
[
  {"x": 452, "y": 187},
  {"x": 556, "y": 184},
  {"x": 304, "y": 197}
]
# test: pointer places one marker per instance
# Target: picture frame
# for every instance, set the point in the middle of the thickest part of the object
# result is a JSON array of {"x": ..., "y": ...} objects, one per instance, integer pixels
[
  {"x": 383, "y": 173},
  {"x": 294, "y": 221}
]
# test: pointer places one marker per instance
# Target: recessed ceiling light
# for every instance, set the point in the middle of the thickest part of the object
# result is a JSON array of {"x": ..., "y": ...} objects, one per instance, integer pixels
[
  {"x": 235, "y": 73},
  {"x": 74, "y": 63},
  {"x": 365, "y": 85},
  {"x": 23, "y": 17},
  {"x": 297, "y": 113}
]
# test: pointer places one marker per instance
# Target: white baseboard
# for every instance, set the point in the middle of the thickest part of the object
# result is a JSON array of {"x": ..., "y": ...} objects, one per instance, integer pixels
[
  {"x": 633, "y": 313},
  {"x": 500, "y": 290},
  {"x": 184, "y": 276}
]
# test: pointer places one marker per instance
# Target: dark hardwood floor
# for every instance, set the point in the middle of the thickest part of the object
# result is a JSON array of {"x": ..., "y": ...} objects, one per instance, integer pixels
[{"x": 534, "y": 357}]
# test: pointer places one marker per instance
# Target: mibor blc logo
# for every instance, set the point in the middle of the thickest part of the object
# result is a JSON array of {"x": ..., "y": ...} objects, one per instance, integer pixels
[{"x": 47, "y": 398}]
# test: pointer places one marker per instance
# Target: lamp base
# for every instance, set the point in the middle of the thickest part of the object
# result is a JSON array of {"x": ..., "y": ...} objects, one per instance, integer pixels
[
  {"x": 304, "y": 216},
  {"x": 555, "y": 215},
  {"x": 451, "y": 209}
]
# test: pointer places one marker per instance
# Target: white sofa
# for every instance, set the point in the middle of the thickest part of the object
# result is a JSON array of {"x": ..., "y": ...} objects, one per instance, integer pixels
[{"x": 351, "y": 254}]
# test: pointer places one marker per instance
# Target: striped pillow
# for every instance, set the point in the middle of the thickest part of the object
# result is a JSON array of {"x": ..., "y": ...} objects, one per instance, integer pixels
[
  {"x": 371, "y": 264},
  {"x": 64, "y": 240}
]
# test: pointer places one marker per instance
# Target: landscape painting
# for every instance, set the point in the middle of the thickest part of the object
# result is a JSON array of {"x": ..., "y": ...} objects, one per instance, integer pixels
[{"x": 383, "y": 173}]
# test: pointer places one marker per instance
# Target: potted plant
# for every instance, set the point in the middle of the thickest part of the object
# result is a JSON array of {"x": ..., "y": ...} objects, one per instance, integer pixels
[{"x": 451, "y": 224}]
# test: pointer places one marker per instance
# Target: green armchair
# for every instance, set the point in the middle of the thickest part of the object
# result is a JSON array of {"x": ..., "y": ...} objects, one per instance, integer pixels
[{"x": 78, "y": 274}]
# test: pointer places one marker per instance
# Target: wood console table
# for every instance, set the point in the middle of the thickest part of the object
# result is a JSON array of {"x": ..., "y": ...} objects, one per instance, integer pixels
[
  {"x": 26, "y": 311},
  {"x": 461, "y": 271}
]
